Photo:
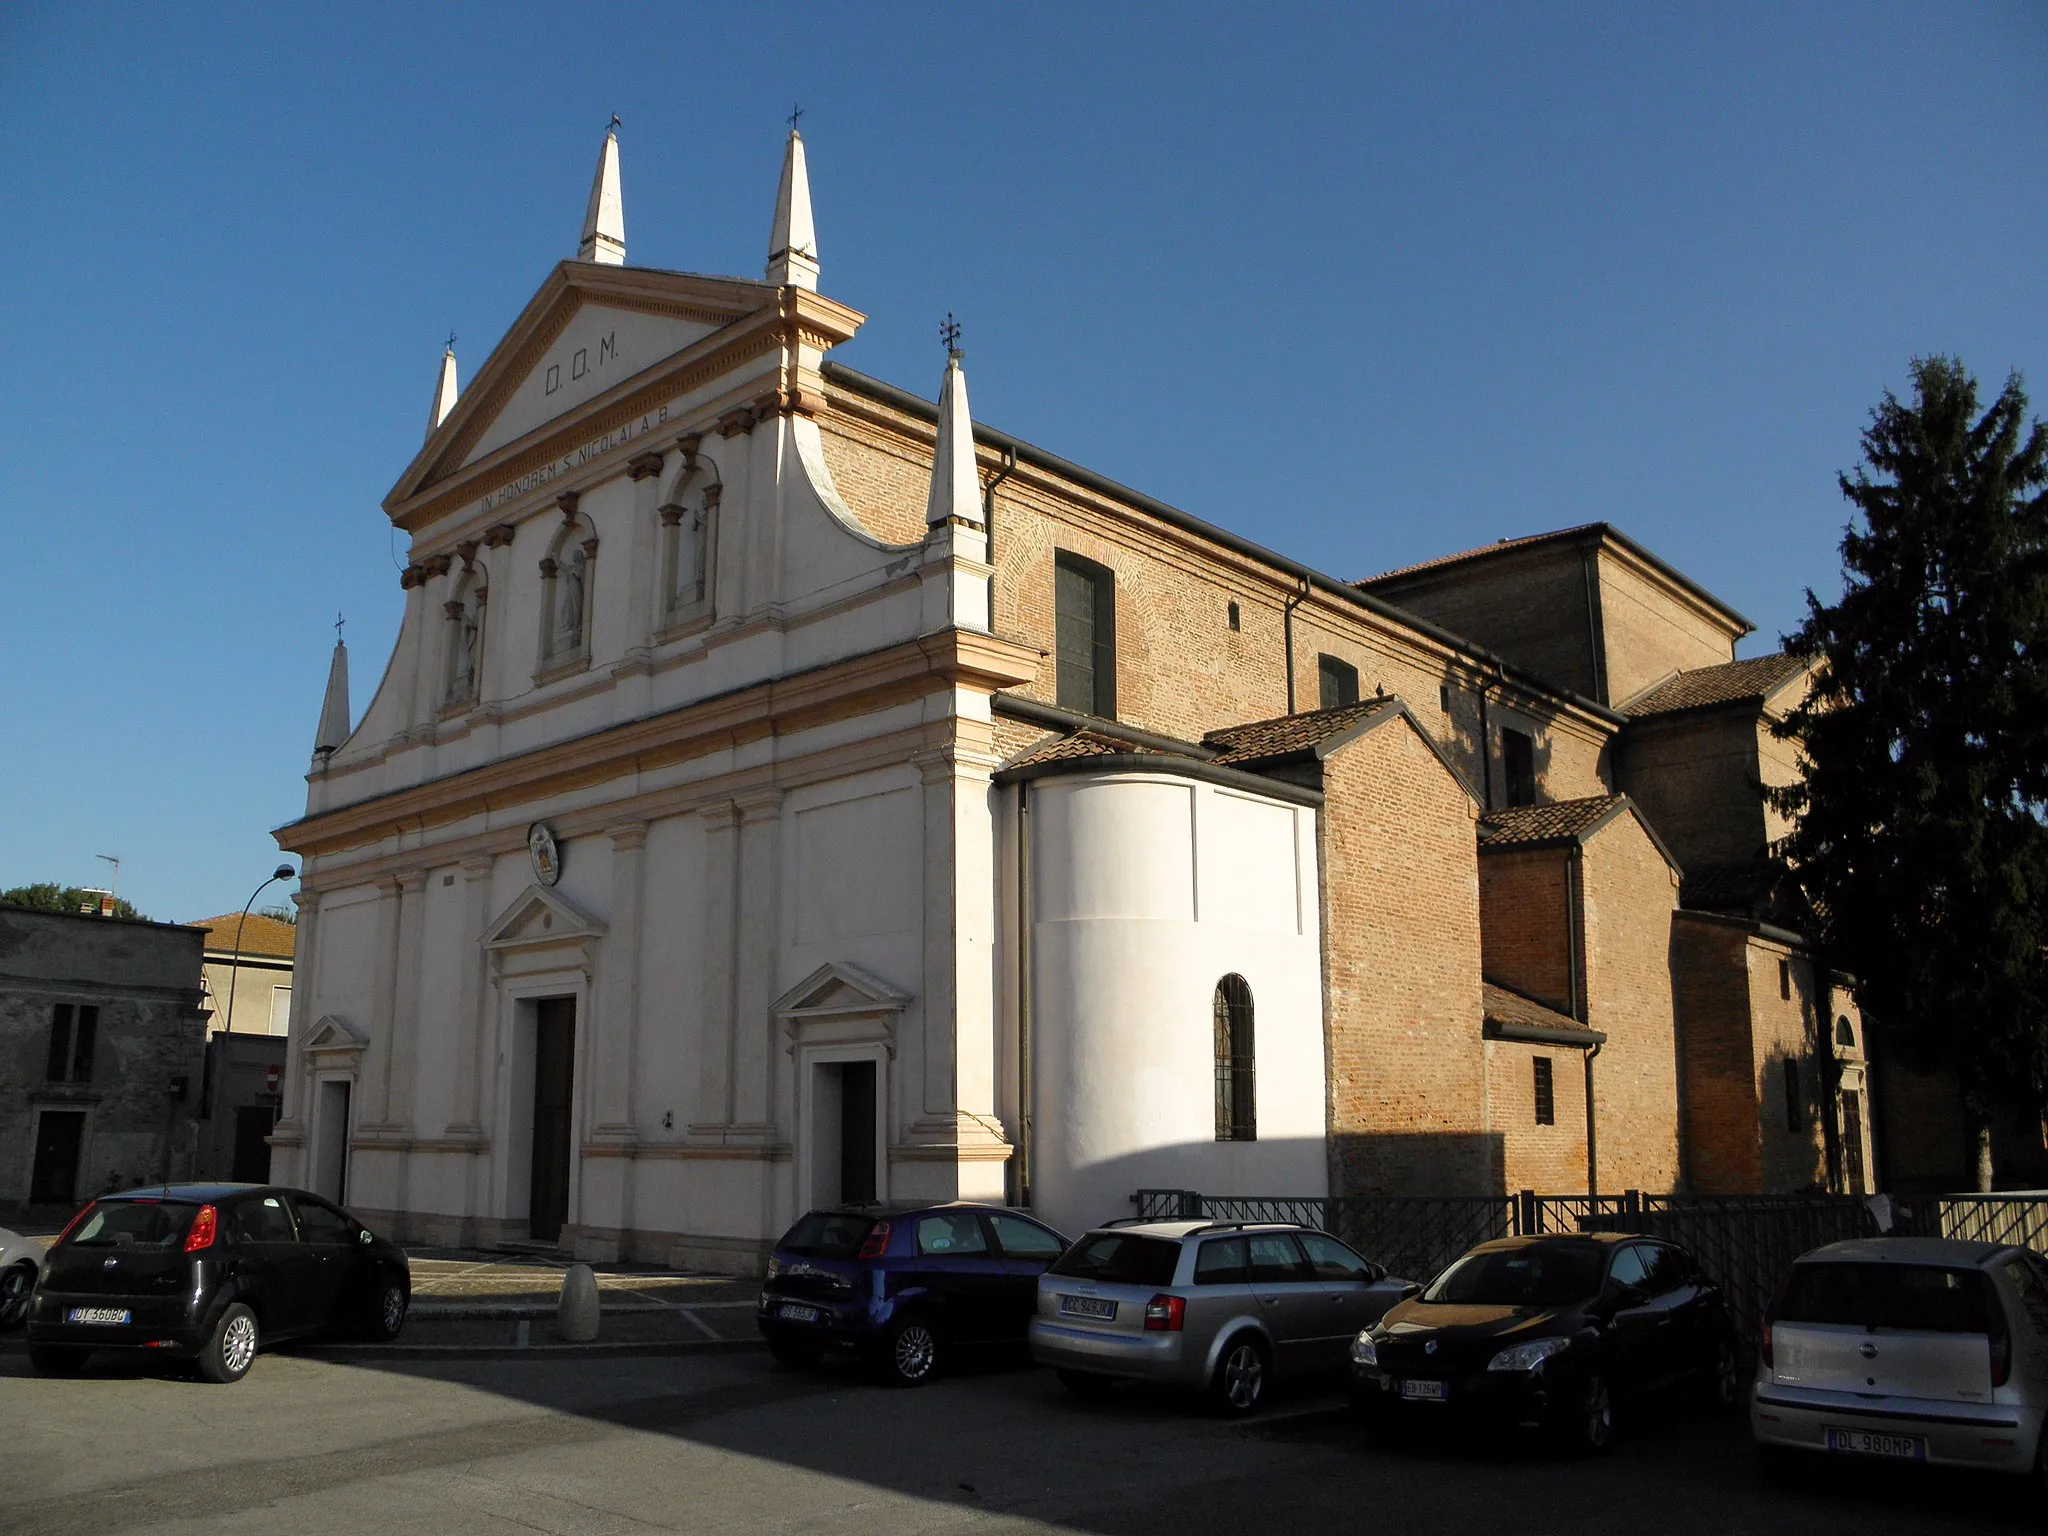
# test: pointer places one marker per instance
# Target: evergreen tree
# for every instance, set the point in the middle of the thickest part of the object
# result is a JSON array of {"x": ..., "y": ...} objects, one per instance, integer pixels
[{"x": 1918, "y": 851}]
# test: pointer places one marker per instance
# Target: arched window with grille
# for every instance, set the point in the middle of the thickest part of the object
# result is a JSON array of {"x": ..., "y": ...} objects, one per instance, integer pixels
[{"x": 1236, "y": 1079}]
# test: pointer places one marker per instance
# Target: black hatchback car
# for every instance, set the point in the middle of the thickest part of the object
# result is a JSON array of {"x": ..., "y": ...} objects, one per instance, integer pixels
[
  {"x": 902, "y": 1287},
  {"x": 209, "y": 1273},
  {"x": 1549, "y": 1332}
]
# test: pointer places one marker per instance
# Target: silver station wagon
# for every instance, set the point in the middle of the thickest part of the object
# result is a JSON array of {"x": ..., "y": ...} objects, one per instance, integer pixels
[
  {"x": 1218, "y": 1306},
  {"x": 1910, "y": 1349}
]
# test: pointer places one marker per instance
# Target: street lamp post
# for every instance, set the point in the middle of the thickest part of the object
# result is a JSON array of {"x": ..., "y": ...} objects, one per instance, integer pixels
[{"x": 282, "y": 872}]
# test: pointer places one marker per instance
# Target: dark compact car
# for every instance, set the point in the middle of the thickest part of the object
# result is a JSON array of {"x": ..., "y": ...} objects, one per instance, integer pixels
[
  {"x": 209, "y": 1273},
  {"x": 901, "y": 1287},
  {"x": 1549, "y": 1332}
]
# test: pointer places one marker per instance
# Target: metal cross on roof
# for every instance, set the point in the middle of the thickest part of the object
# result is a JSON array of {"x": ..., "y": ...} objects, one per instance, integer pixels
[
  {"x": 451, "y": 341},
  {"x": 949, "y": 333},
  {"x": 616, "y": 124},
  {"x": 338, "y": 622},
  {"x": 795, "y": 112}
]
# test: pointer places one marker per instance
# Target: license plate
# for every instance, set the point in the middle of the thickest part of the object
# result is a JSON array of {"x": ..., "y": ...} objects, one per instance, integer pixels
[
  {"x": 1874, "y": 1442},
  {"x": 1087, "y": 1306},
  {"x": 98, "y": 1315},
  {"x": 1426, "y": 1391},
  {"x": 797, "y": 1314}
]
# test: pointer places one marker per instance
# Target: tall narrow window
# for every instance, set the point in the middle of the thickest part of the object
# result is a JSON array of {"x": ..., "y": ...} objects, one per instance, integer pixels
[
  {"x": 1443, "y": 698},
  {"x": 73, "y": 1033},
  {"x": 1852, "y": 1140},
  {"x": 1785, "y": 979},
  {"x": 1795, "y": 1110},
  {"x": 1236, "y": 1081},
  {"x": 1084, "y": 635},
  {"x": 1338, "y": 681},
  {"x": 1234, "y": 614},
  {"x": 1546, "y": 1093},
  {"x": 1518, "y": 765}
]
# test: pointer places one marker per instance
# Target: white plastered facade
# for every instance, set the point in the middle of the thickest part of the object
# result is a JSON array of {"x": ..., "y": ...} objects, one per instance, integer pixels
[{"x": 765, "y": 756}]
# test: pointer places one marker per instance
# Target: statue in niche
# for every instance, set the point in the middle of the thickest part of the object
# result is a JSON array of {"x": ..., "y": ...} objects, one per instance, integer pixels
[
  {"x": 569, "y": 628},
  {"x": 690, "y": 557},
  {"x": 465, "y": 652}
]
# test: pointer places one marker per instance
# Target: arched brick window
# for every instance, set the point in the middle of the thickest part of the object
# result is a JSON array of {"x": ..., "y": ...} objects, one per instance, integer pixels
[{"x": 1236, "y": 1080}]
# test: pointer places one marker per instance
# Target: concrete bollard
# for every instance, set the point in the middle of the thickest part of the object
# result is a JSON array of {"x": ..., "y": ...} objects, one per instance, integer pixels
[{"x": 576, "y": 1317}]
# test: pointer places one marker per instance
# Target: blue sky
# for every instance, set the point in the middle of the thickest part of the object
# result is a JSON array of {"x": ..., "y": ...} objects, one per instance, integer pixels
[{"x": 1365, "y": 284}]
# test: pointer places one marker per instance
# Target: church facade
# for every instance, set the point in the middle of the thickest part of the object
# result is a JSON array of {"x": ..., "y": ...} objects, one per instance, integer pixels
[{"x": 785, "y": 791}]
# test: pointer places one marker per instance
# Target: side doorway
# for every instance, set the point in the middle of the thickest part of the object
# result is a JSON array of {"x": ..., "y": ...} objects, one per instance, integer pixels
[
  {"x": 554, "y": 1082},
  {"x": 60, "y": 1137}
]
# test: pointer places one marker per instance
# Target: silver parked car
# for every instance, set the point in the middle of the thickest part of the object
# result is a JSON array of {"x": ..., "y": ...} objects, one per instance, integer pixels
[
  {"x": 1219, "y": 1306},
  {"x": 1912, "y": 1349},
  {"x": 21, "y": 1261}
]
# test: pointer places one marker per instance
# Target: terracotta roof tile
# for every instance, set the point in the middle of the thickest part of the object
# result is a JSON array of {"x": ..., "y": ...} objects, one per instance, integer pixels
[
  {"x": 260, "y": 935},
  {"x": 1258, "y": 740},
  {"x": 1479, "y": 553},
  {"x": 1542, "y": 823},
  {"x": 1502, "y": 1006},
  {"x": 1082, "y": 743},
  {"x": 1731, "y": 682}
]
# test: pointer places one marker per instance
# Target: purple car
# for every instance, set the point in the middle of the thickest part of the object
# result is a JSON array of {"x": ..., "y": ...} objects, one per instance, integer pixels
[{"x": 903, "y": 1287}]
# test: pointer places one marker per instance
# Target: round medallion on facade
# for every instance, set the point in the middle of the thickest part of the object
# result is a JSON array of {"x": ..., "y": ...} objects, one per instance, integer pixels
[{"x": 547, "y": 857}]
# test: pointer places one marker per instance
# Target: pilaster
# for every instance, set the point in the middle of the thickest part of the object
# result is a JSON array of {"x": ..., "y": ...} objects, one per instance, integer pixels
[
  {"x": 715, "y": 1041},
  {"x": 471, "y": 1001}
]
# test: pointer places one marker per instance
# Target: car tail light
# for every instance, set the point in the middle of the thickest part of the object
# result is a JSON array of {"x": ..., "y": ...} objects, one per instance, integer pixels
[
  {"x": 1764, "y": 1348},
  {"x": 877, "y": 1242},
  {"x": 1165, "y": 1314},
  {"x": 2001, "y": 1356},
  {"x": 204, "y": 1226},
  {"x": 74, "y": 1221}
]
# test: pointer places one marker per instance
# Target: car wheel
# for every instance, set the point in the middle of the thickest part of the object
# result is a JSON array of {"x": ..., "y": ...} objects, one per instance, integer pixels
[
  {"x": 910, "y": 1353},
  {"x": 232, "y": 1349},
  {"x": 57, "y": 1359},
  {"x": 388, "y": 1306},
  {"x": 797, "y": 1356},
  {"x": 1239, "y": 1385},
  {"x": 1723, "y": 1385},
  {"x": 1083, "y": 1383},
  {"x": 16, "y": 1287},
  {"x": 1588, "y": 1421}
]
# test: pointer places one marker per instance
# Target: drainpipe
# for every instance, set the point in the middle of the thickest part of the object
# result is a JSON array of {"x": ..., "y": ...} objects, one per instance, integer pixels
[
  {"x": 1575, "y": 984},
  {"x": 1021, "y": 1157},
  {"x": 1592, "y": 1129},
  {"x": 1287, "y": 631}
]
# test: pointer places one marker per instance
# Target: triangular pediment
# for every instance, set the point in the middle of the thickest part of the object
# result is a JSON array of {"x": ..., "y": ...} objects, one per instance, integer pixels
[
  {"x": 590, "y": 331},
  {"x": 541, "y": 915},
  {"x": 839, "y": 989},
  {"x": 333, "y": 1033}
]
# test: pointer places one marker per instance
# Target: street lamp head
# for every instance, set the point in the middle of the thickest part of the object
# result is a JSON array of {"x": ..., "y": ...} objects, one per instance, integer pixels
[{"x": 283, "y": 872}]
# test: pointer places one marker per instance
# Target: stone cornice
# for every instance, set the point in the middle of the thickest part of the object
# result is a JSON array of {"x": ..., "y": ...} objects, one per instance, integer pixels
[{"x": 951, "y": 658}]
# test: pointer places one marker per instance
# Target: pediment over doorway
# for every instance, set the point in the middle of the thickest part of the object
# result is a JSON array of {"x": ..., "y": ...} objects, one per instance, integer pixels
[
  {"x": 333, "y": 1042},
  {"x": 843, "y": 1003},
  {"x": 539, "y": 922}
]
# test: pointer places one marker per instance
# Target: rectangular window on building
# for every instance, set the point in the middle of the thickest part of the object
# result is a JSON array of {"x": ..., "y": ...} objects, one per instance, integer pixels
[
  {"x": 1443, "y": 698},
  {"x": 1795, "y": 1110},
  {"x": 1852, "y": 1140},
  {"x": 1518, "y": 765},
  {"x": 74, "y": 1031},
  {"x": 1338, "y": 681},
  {"x": 1084, "y": 635},
  {"x": 1785, "y": 979},
  {"x": 1236, "y": 616},
  {"x": 1546, "y": 1093},
  {"x": 59, "y": 1068}
]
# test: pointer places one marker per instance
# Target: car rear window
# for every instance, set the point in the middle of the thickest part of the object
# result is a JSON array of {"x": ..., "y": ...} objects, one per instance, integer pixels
[
  {"x": 1541, "y": 1275},
  {"x": 827, "y": 1235},
  {"x": 132, "y": 1224},
  {"x": 1919, "y": 1298},
  {"x": 1120, "y": 1258}
]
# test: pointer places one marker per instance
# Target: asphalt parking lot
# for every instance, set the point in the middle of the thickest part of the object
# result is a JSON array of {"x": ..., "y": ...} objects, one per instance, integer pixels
[{"x": 718, "y": 1439}]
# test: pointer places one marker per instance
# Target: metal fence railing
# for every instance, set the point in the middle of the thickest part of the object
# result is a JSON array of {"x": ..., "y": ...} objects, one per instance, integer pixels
[{"x": 1744, "y": 1243}]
